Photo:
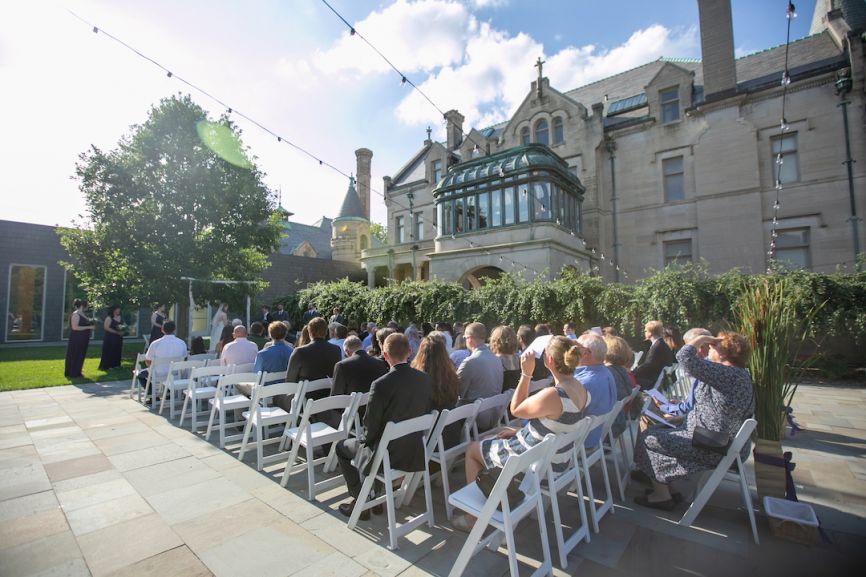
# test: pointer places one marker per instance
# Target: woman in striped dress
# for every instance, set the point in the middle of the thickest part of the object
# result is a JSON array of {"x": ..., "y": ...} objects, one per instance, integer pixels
[{"x": 556, "y": 409}]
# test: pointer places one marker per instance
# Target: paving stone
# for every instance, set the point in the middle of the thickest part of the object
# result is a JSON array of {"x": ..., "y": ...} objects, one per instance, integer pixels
[
  {"x": 170, "y": 475},
  {"x": 62, "y": 470},
  {"x": 100, "y": 515},
  {"x": 334, "y": 565},
  {"x": 23, "y": 480},
  {"x": 123, "y": 544},
  {"x": 177, "y": 562},
  {"x": 56, "y": 554},
  {"x": 29, "y": 528},
  {"x": 147, "y": 457},
  {"x": 27, "y": 505},
  {"x": 91, "y": 495},
  {"x": 132, "y": 442},
  {"x": 185, "y": 503},
  {"x": 206, "y": 531}
]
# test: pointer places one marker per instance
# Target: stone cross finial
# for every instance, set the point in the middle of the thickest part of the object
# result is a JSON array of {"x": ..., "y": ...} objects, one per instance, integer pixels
[
  {"x": 540, "y": 65},
  {"x": 429, "y": 130}
]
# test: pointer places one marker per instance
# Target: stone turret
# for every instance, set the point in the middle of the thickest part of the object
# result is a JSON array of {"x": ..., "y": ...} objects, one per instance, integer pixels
[{"x": 350, "y": 231}]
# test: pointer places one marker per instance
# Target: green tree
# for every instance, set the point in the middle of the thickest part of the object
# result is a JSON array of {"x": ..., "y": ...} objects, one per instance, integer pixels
[
  {"x": 379, "y": 232},
  {"x": 178, "y": 197}
]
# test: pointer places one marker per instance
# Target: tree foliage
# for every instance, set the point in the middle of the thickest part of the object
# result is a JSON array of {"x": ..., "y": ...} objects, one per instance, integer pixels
[{"x": 178, "y": 197}]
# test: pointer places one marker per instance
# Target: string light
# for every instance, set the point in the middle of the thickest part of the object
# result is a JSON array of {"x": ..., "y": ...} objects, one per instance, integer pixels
[{"x": 790, "y": 14}]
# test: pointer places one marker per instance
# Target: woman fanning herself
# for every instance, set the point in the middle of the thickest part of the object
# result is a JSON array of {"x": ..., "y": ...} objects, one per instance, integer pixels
[{"x": 556, "y": 409}]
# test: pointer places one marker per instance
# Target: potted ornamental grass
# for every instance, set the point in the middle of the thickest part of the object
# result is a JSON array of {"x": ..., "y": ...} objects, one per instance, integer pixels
[{"x": 776, "y": 331}]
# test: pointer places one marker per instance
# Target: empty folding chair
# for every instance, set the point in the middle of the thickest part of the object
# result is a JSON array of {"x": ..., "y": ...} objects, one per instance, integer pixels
[
  {"x": 381, "y": 461},
  {"x": 568, "y": 475},
  {"x": 176, "y": 381},
  {"x": 227, "y": 401},
  {"x": 594, "y": 456},
  {"x": 446, "y": 457},
  {"x": 260, "y": 417},
  {"x": 723, "y": 471},
  {"x": 154, "y": 383},
  {"x": 311, "y": 435},
  {"x": 139, "y": 366},
  {"x": 498, "y": 405},
  {"x": 201, "y": 386},
  {"x": 496, "y": 512},
  {"x": 613, "y": 452}
]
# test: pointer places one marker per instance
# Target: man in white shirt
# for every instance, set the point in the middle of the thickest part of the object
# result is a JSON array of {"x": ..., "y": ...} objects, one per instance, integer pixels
[
  {"x": 166, "y": 347},
  {"x": 240, "y": 351}
]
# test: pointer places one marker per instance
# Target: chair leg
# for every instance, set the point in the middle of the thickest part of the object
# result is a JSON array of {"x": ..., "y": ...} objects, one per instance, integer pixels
[
  {"x": 392, "y": 516},
  {"x": 468, "y": 550},
  {"x": 592, "y": 512},
  {"x": 193, "y": 415},
  {"x": 510, "y": 544},
  {"x": 183, "y": 410},
  {"x": 428, "y": 495},
  {"x": 557, "y": 523},
  {"x": 446, "y": 489},
  {"x": 366, "y": 489},
  {"x": 260, "y": 448},
  {"x": 245, "y": 440},
  {"x": 747, "y": 500},
  {"x": 545, "y": 544},
  {"x": 210, "y": 421},
  {"x": 222, "y": 429}
]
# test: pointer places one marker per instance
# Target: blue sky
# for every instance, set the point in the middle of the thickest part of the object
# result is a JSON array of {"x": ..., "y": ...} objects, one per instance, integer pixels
[{"x": 293, "y": 66}]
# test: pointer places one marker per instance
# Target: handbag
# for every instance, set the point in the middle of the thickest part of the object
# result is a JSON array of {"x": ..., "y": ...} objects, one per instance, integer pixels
[
  {"x": 714, "y": 441},
  {"x": 487, "y": 479}
]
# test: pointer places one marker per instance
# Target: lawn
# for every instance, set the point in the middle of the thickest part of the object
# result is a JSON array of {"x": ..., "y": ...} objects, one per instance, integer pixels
[{"x": 33, "y": 367}]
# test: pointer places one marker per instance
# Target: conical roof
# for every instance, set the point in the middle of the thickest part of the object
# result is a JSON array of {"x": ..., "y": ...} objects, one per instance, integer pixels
[{"x": 352, "y": 206}]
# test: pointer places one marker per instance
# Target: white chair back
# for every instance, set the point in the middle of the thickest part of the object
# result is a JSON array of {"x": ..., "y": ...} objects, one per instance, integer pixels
[
  {"x": 535, "y": 386},
  {"x": 273, "y": 377},
  {"x": 201, "y": 357},
  {"x": 244, "y": 367},
  {"x": 497, "y": 404}
]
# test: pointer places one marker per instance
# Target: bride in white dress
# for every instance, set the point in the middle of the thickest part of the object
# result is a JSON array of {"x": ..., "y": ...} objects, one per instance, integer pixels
[{"x": 219, "y": 321}]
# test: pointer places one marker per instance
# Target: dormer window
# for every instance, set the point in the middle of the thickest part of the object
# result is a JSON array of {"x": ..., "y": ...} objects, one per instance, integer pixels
[
  {"x": 541, "y": 132},
  {"x": 436, "y": 167},
  {"x": 524, "y": 135},
  {"x": 669, "y": 100},
  {"x": 558, "y": 136}
]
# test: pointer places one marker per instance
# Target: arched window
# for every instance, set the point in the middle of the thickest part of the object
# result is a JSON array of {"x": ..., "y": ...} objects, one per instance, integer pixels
[
  {"x": 524, "y": 135},
  {"x": 363, "y": 242},
  {"x": 541, "y": 132},
  {"x": 557, "y": 130}
]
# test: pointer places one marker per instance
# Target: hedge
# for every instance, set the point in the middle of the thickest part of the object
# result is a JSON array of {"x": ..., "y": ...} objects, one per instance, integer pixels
[{"x": 681, "y": 297}]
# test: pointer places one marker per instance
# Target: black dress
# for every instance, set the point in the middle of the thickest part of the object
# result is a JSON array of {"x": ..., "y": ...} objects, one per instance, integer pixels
[
  {"x": 156, "y": 329},
  {"x": 112, "y": 348},
  {"x": 76, "y": 348}
]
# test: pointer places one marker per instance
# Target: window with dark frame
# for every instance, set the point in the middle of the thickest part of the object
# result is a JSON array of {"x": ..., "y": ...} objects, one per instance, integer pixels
[
  {"x": 541, "y": 132},
  {"x": 677, "y": 252},
  {"x": 786, "y": 146},
  {"x": 524, "y": 135},
  {"x": 558, "y": 132},
  {"x": 673, "y": 179},
  {"x": 399, "y": 230},
  {"x": 436, "y": 167},
  {"x": 792, "y": 248},
  {"x": 670, "y": 104}
]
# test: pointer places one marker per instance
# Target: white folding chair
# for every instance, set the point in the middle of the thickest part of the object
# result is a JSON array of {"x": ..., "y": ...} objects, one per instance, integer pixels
[
  {"x": 495, "y": 511},
  {"x": 227, "y": 401},
  {"x": 260, "y": 417},
  {"x": 176, "y": 381},
  {"x": 446, "y": 457},
  {"x": 630, "y": 426},
  {"x": 591, "y": 458},
  {"x": 614, "y": 452},
  {"x": 139, "y": 366},
  {"x": 566, "y": 452},
  {"x": 637, "y": 357},
  {"x": 244, "y": 367},
  {"x": 318, "y": 434},
  {"x": 381, "y": 460},
  {"x": 212, "y": 362},
  {"x": 202, "y": 357},
  {"x": 498, "y": 405},
  {"x": 723, "y": 471},
  {"x": 356, "y": 429},
  {"x": 154, "y": 383},
  {"x": 201, "y": 386}
]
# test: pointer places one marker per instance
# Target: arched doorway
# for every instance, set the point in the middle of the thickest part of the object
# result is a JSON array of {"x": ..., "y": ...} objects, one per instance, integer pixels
[{"x": 478, "y": 277}]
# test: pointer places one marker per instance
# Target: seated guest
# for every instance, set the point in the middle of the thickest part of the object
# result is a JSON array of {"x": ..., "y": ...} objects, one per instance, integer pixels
[
  {"x": 240, "y": 351},
  {"x": 303, "y": 337},
  {"x": 503, "y": 344},
  {"x": 166, "y": 347},
  {"x": 723, "y": 399},
  {"x": 367, "y": 339},
  {"x": 568, "y": 331},
  {"x": 426, "y": 329},
  {"x": 596, "y": 378},
  {"x": 433, "y": 360},
  {"x": 257, "y": 334},
  {"x": 414, "y": 337},
  {"x": 610, "y": 332},
  {"x": 542, "y": 329},
  {"x": 480, "y": 374},
  {"x": 445, "y": 329},
  {"x": 672, "y": 339},
  {"x": 556, "y": 409},
  {"x": 376, "y": 344},
  {"x": 402, "y": 393},
  {"x": 657, "y": 357},
  {"x": 338, "y": 334},
  {"x": 196, "y": 347},
  {"x": 675, "y": 410},
  {"x": 525, "y": 336},
  {"x": 355, "y": 373},
  {"x": 618, "y": 361},
  {"x": 460, "y": 352},
  {"x": 274, "y": 357},
  {"x": 226, "y": 336},
  {"x": 315, "y": 360}
]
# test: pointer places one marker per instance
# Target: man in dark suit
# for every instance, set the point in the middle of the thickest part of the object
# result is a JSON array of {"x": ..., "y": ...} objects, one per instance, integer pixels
[
  {"x": 403, "y": 393},
  {"x": 313, "y": 361},
  {"x": 355, "y": 373},
  {"x": 656, "y": 358}
]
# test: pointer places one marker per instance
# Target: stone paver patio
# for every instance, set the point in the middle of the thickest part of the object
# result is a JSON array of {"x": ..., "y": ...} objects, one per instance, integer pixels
[{"x": 91, "y": 483}]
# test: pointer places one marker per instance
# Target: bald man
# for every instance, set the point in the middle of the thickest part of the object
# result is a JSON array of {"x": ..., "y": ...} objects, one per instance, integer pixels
[{"x": 241, "y": 350}]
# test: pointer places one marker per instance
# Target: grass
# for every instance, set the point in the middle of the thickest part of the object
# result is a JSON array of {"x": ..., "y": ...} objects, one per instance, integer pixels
[{"x": 34, "y": 367}]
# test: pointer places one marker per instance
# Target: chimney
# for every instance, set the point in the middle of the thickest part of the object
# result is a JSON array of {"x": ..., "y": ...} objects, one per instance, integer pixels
[
  {"x": 717, "y": 48},
  {"x": 364, "y": 156},
  {"x": 454, "y": 129}
]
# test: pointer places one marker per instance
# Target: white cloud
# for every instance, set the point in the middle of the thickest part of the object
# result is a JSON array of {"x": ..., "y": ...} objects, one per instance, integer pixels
[{"x": 488, "y": 3}]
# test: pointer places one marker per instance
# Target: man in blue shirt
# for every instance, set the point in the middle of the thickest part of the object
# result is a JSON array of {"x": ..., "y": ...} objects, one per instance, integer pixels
[
  {"x": 596, "y": 379},
  {"x": 275, "y": 356}
]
